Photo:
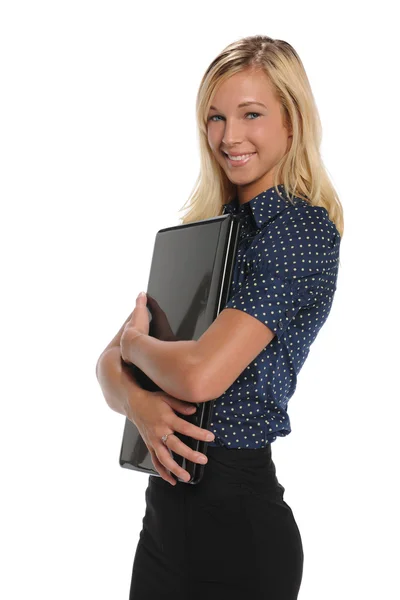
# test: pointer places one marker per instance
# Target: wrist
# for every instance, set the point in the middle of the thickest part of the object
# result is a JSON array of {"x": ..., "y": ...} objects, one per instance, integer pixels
[
  {"x": 128, "y": 338},
  {"x": 133, "y": 392}
]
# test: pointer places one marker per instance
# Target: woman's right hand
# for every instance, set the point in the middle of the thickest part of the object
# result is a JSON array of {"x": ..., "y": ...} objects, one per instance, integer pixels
[{"x": 153, "y": 415}]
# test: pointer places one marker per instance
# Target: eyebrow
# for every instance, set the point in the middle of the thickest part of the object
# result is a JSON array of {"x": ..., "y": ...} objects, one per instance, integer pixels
[{"x": 244, "y": 104}]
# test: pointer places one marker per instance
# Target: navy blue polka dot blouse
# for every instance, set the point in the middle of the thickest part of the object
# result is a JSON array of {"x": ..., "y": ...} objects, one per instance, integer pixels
[{"x": 285, "y": 276}]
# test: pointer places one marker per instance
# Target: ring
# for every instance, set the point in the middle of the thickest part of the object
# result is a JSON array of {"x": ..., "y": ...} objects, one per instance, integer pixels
[{"x": 164, "y": 438}]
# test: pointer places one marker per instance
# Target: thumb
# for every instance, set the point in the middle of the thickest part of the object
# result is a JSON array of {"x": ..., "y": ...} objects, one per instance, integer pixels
[
  {"x": 141, "y": 298},
  {"x": 178, "y": 405}
]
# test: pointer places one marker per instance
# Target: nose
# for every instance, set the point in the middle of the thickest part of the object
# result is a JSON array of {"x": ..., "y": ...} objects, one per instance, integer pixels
[{"x": 233, "y": 134}]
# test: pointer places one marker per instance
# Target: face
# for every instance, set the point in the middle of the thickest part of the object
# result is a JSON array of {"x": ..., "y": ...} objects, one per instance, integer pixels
[{"x": 238, "y": 130}]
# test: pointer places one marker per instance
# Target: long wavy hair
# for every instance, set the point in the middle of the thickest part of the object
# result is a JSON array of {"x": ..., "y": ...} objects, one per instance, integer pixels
[{"x": 301, "y": 170}]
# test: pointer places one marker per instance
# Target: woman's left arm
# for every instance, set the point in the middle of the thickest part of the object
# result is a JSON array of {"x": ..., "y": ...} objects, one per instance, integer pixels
[{"x": 171, "y": 365}]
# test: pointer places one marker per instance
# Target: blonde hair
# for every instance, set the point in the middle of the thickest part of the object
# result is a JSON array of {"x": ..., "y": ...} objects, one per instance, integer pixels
[{"x": 301, "y": 170}]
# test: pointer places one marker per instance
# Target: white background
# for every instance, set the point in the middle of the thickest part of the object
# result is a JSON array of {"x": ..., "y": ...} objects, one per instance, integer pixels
[{"x": 99, "y": 151}]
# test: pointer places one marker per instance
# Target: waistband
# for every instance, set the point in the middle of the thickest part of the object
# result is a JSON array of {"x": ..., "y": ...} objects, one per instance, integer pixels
[
  {"x": 238, "y": 454},
  {"x": 245, "y": 469}
]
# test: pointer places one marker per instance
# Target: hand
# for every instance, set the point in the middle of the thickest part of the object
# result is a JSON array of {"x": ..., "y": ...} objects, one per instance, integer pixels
[{"x": 154, "y": 418}]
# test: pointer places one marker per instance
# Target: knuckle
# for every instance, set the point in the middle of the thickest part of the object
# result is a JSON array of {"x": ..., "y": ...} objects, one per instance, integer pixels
[{"x": 162, "y": 430}]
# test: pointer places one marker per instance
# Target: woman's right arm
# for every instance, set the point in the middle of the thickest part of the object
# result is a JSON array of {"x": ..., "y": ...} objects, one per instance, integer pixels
[
  {"x": 119, "y": 386},
  {"x": 117, "y": 382},
  {"x": 115, "y": 376},
  {"x": 124, "y": 395}
]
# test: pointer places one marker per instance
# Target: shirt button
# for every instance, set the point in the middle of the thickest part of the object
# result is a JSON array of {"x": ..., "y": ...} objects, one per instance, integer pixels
[
  {"x": 280, "y": 324},
  {"x": 288, "y": 313}
]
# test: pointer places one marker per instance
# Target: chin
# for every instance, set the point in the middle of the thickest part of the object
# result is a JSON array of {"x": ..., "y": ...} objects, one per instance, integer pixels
[{"x": 242, "y": 179}]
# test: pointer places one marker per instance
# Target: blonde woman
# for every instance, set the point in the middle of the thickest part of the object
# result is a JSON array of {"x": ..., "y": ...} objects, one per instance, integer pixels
[{"x": 232, "y": 536}]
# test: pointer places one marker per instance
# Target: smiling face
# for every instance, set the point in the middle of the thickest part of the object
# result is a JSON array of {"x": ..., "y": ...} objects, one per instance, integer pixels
[{"x": 252, "y": 129}]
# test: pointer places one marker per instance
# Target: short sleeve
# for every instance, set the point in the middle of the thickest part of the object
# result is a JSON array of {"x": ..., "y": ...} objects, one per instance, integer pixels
[{"x": 291, "y": 268}]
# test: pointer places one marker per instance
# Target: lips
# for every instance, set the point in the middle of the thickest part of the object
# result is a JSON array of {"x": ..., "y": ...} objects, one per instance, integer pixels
[
  {"x": 238, "y": 154},
  {"x": 235, "y": 163}
]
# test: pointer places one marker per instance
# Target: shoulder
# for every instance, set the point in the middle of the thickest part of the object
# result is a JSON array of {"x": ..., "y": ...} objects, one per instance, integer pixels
[
  {"x": 302, "y": 242},
  {"x": 306, "y": 223}
]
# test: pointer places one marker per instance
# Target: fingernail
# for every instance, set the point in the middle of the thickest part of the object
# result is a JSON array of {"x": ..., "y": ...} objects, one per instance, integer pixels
[{"x": 209, "y": 437}]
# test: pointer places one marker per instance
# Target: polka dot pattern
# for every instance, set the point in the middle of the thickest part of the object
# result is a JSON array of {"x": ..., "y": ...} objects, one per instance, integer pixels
[{"x": 285, "y": 276}]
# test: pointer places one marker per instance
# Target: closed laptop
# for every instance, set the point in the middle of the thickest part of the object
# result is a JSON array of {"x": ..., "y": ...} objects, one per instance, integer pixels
[{"x": 189, "y": 284}]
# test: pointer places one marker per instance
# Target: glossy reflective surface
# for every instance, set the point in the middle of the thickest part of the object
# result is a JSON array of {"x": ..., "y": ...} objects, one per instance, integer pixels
[{"x": 189, "y": 284}]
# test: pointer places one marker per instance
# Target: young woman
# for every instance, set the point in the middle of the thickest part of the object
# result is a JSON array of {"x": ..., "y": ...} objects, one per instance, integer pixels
[{"x": 233, "y": 535}]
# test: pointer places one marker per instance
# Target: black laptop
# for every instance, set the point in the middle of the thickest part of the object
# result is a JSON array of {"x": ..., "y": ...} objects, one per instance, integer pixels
[{"x": 190, "y": 279}]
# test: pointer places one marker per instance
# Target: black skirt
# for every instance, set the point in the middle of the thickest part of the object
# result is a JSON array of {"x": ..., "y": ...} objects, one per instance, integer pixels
[{"x": 231, "y": 536}]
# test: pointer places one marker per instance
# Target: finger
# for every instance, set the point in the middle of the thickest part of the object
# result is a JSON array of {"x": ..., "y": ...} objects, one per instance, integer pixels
[
  {"x": 191, "y": 430},
  {"x": 141, "y": 298},
  {"x": 178, "y": 447},
  {"x": 186, "y": 408},
  {"x": 165, "y": 458},
  {"x": 176, "y": 404},
  {"x": 159, "y": 467}
]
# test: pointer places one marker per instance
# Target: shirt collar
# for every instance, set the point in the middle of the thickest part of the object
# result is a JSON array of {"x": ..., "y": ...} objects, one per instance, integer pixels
[{"x": 263, "y": 207}]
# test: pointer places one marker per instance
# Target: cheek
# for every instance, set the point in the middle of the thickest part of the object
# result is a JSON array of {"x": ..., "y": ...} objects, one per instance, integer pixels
[
  {"x": 212, "y": 140},
  {"x": 214, "y": 144},
  {"x": 268, "y": 141},
  {"x": 261, "y": 138}
]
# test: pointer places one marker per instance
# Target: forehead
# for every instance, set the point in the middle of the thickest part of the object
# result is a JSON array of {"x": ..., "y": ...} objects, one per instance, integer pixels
[{"x": 244, "y": 86}]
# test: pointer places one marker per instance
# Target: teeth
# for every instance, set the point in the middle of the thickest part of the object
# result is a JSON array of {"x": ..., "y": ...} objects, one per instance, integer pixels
[{"x": 239, "y": 157}]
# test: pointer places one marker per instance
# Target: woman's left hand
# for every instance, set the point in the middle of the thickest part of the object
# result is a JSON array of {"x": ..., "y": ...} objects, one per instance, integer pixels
[{"x": 138, "y": 324}]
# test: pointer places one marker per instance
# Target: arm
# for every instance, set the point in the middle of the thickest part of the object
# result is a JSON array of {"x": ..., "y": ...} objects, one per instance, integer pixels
[
  {"x": 117, "y": 382},
  {"x": 171, "y": 365},
  {"x": 115, "y": 377},
  {"x": 115, "y": 342},
  {"x": 199, "y": 371}
]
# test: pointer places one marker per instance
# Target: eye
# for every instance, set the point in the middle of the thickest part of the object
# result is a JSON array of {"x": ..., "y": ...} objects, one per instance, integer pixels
[{"x": 219, "y": 116}]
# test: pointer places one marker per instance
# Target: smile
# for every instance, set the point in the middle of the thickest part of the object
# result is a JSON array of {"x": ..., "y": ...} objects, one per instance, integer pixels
[{"x": 238, "y": 161}]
